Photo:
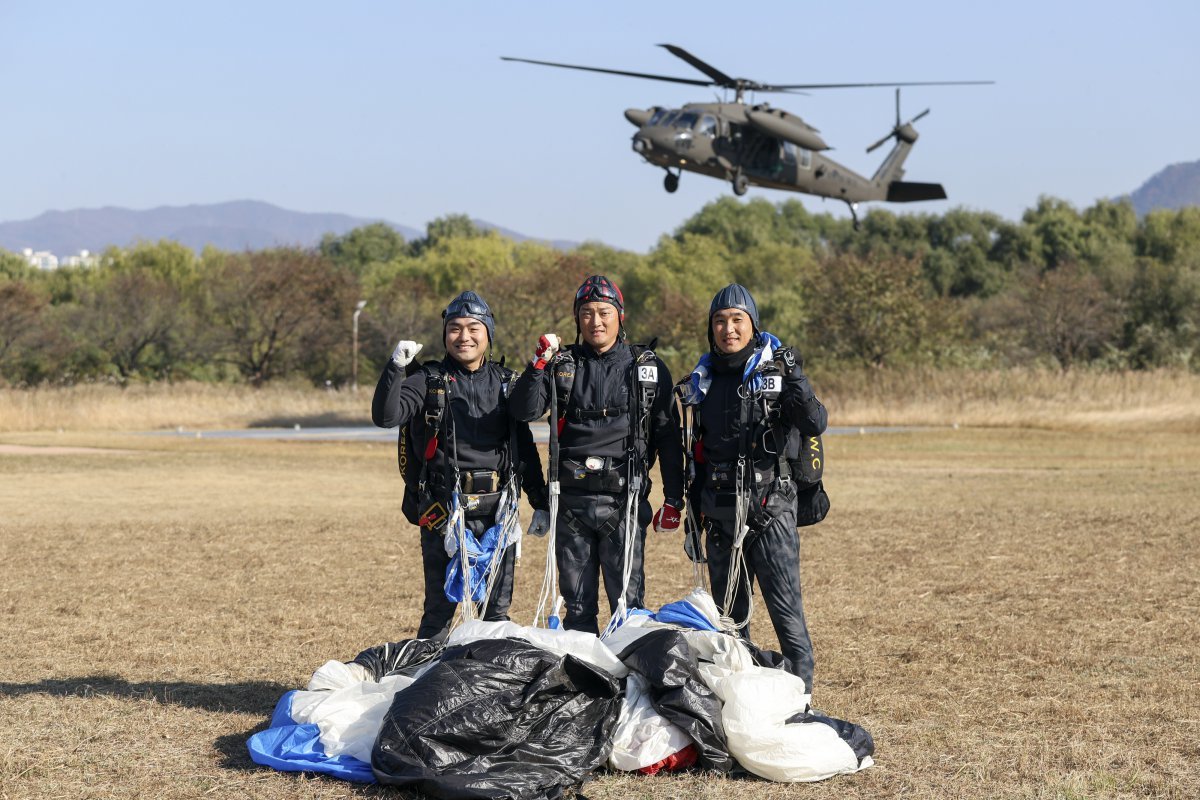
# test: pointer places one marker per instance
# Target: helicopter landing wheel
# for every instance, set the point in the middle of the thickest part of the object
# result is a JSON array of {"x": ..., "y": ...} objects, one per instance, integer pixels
[
  {"x": 740, "y": 184},
  {"x": 671, "y": 182}
]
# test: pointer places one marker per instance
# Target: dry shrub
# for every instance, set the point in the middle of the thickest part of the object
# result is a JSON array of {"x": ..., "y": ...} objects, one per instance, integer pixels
[
  {"x": 1018, "y": 398},
  {"x": 1022, "y": 398},
  {"x": 140, "y": 407}
]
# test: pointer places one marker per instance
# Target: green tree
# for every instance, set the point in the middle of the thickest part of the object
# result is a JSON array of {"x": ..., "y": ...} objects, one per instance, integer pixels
[
  {"x": 876, "y": 311},
  {"x": 281, "y": 310},
  {"x": 365, "y": 247}
]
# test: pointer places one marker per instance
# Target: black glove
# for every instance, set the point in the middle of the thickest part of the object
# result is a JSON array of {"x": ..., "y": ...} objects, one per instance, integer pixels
[{"x": 789, "y": 361}]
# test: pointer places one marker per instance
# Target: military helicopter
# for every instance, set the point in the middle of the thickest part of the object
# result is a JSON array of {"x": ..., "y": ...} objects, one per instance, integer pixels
[{"x": 763, "y": 146}]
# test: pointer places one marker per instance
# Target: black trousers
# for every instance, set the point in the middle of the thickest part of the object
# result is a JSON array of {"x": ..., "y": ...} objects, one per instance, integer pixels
[
  {"x": 772, "y": 558},
  {"x": 590, "y": 541},
  {"x": 439, "y": 612}
]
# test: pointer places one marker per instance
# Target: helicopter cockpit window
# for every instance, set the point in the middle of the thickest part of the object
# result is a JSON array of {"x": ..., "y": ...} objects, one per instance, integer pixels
[
  {"x": 797, "y": 155},
  {"x": 657, "y": 116},
  {"x": 685, "y": 120},
  {"x": 707, "y": 126},
  {"x": 668, "y": 118}
]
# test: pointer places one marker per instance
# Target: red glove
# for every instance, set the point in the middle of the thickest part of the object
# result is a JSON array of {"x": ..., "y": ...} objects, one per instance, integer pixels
[
  {"x": 547, "y": 346},
  {"x": 666, "y": 519}
]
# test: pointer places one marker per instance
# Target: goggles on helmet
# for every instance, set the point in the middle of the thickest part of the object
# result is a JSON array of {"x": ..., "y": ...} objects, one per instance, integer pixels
[{"x": 465, "y": 308}]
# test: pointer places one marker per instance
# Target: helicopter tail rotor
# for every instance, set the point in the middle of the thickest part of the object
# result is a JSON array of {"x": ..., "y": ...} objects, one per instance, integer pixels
[{"x": 903, "y": 131}]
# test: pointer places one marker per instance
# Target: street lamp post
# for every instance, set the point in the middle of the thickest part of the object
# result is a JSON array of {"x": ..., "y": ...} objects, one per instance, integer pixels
[{"x": 354, "y": 358}]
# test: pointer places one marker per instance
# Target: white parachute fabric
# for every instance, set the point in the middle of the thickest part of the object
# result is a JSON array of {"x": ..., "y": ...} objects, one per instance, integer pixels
[
  {"x": 560, "y": 641},
  {"x": 643, "y": 736},
  {"x": 760, "y": 716},
  {"x": 757, "y": 704},
  {"x": 346, "y": 703}
]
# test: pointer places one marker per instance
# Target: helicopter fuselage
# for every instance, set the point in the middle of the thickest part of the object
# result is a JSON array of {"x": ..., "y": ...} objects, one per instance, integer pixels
[{"x": 762, "y": 146}]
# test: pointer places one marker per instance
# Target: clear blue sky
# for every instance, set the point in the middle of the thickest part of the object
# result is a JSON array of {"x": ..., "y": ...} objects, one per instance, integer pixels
[{"x": 404, "y": 110}]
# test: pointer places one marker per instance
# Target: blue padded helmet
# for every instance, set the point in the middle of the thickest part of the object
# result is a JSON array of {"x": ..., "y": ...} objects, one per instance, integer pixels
[
  {"x": 733, "y": 296},
  {"x": 471, "y": 305}
]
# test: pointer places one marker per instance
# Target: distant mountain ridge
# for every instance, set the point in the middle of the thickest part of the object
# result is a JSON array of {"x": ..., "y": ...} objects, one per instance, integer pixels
[
  {"x": 1173, "y": 187},
  {"x": 235, "y": 225}
]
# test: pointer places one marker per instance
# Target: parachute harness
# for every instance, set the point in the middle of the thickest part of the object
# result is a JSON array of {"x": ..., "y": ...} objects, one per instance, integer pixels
[
  {"x": 637, "y": 468},
  {"x": 507, "y": 518}
]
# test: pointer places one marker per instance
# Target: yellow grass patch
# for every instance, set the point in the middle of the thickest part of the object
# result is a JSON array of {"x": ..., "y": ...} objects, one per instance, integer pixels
[{"x": 1162, "y": 400}]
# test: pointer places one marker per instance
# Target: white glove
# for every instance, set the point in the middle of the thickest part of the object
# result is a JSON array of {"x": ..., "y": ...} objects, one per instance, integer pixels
[
  {"x": 540, "y": 525},
  {"x": 405, "y": 352},
  {"x": 547, "y": 346},
  {"x": 450, "y": 542}
]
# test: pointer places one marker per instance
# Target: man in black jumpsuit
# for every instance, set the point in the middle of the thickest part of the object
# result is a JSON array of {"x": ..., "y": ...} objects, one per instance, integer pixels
[
  {"x": 600, "y": 448},
  {"x": 729, "y": 401},
  {"x": 475, "y": 437}
]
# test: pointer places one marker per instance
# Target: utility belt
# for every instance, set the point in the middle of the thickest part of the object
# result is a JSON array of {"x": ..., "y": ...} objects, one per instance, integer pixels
[
  {"x": 593, "y": 473},
  {"x": 479, "y": 495},
  {"x": 722, "y": 476},
  {"x": 435, "y": 504},
  {"x": 575, "y": 414},
  {"x": 470, "y": 481}
]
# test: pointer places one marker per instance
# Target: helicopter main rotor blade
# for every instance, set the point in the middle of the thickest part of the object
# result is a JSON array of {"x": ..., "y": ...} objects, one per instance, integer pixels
[
  {"x": 866, "y": 85},
  {"x": 646, "y": 75},
  {"x": 720, "y": 77}
]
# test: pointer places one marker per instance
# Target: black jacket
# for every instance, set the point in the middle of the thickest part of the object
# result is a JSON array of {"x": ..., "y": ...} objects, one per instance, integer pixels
[
  {"x": 719, "y": 419},
  {"x": 477, "y": 427},
  {"x": 605, "y": 381}
]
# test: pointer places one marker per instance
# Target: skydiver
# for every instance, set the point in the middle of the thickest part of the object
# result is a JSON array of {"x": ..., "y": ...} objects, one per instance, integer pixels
[
  {"x": 611, "y": 427},
  {"x": 753, "y": 407},
  {"x": 477, "y": 449}
]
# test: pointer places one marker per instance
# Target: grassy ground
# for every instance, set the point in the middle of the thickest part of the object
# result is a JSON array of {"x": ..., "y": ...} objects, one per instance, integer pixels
[{"x": 1011, "y": 613}]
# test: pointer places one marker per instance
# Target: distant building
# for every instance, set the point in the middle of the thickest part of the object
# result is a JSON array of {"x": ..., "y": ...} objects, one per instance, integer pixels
[
  {"x": 44, "y": 259},
  {"x": 84, "y": 259}
]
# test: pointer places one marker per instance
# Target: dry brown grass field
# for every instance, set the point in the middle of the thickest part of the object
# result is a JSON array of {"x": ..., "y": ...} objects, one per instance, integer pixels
[{"x": 1012, "y": 613}]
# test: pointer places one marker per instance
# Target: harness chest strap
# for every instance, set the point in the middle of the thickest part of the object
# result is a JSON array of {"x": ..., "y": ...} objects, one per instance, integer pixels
[{"x": 645, "y": 379}]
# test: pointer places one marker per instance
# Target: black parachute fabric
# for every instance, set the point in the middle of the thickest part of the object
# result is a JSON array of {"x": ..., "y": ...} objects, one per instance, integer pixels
[
  {"x": 398, "y": 657},
  {"x": 680, "y": 694},
  {"x": 498, "y": 719},
  {"x": 856, "y": 736}
]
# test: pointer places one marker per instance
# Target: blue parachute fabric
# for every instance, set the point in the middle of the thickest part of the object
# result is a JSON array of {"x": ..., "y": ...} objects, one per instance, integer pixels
[
  {"x": 289, "y": 747},
  {"x": 480, "y": 553},
  {"x": 684, "y": 613}
]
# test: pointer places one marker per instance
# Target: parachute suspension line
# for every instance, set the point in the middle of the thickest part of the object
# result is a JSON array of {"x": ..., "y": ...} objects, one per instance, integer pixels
[
  {"x": 631, "y": 533},
  {"x": 458, "y": 525},
  {"x": 509, "y": 520},
  {"x": 691, "y": 522},
  {"x": 699, "y": 573},
  {"x": 737, "y": 556},
  {"x": 633, "y": 489},
  {"x": 547, "y": 614}
]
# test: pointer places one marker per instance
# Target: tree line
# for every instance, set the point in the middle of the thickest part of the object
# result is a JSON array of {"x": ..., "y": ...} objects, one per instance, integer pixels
[{"x": 1060, "y": 287}]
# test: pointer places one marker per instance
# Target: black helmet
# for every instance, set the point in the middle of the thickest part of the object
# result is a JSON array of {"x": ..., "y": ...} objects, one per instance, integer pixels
[
  {"x": 599, "y": 289},
  {"x": 733, "y": 296},
  {"x": 469, "y": 304}
]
